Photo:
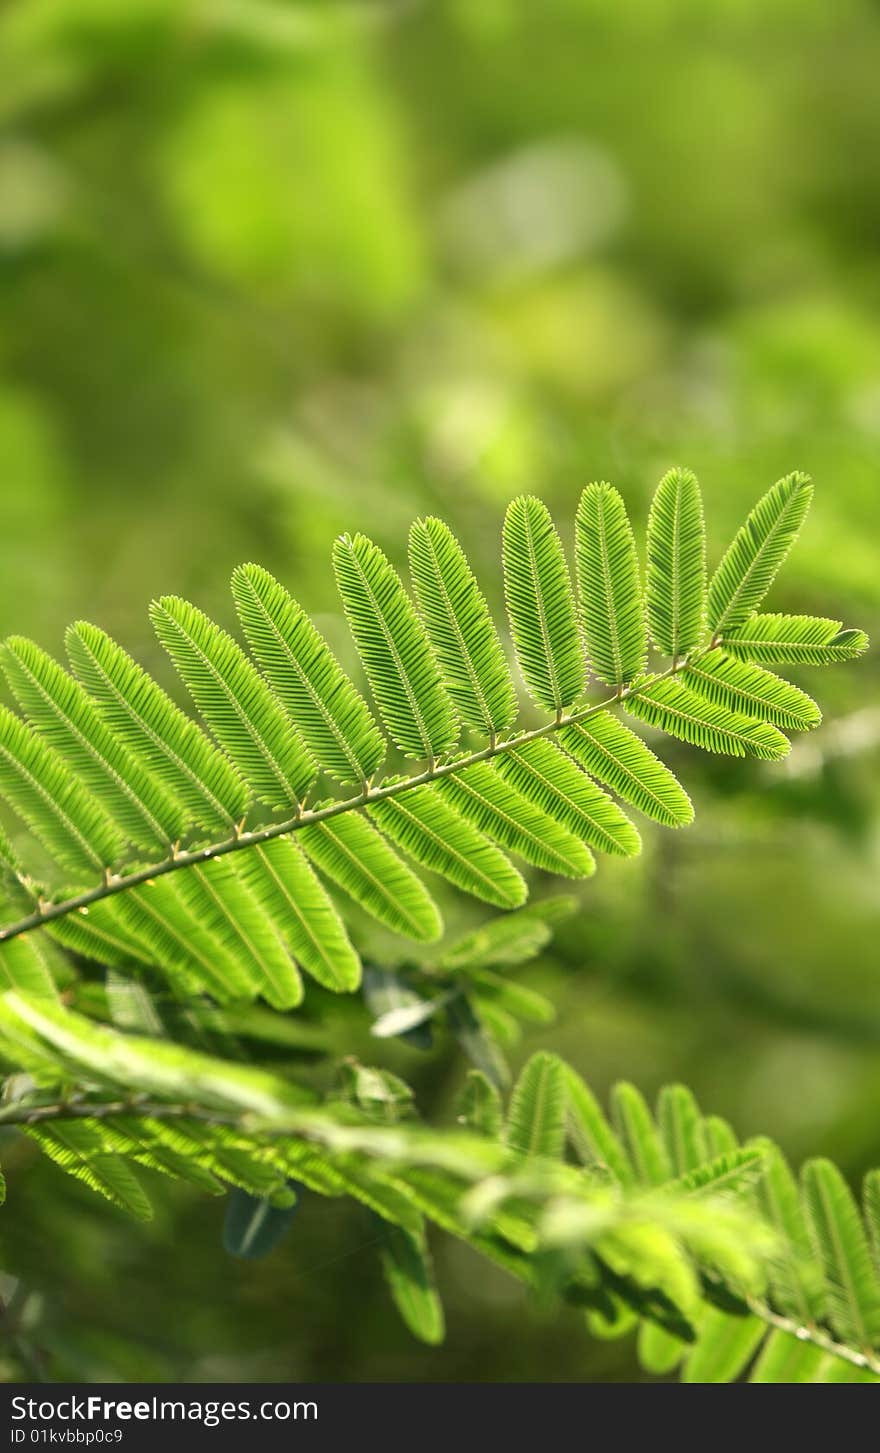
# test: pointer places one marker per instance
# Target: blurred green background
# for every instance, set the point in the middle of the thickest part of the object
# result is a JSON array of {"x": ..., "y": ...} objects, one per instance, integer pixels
[{"x": 272, "y": 270}]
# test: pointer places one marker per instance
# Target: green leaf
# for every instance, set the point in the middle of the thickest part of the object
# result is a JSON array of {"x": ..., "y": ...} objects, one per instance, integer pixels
[
  {"x": 329, "y": 711},
  {"x": 784, "y": 1358},
  {"x": 840, "y": 1241},
  {"x": 236, "y": 703},
  {"x": 227, "y": 901},
  {"x": 169, "y": 924},
  {"x": 680, "y": 1122},
  {"x": 719, "y": 1136},
  {"x": 70, "y": 824},
  {"x": 23, "y": 967},
  {"x": 636, "y": 1129},
  {"x": 660, "y": 1351},
  {"x": 676, "y": 591},
  {"x": 785, "y": 640},
  {"x": 406, "y": 1262},
  {"x": 253, "y": 1226},
  {"x": 606, "y": 748},
  {"x": 796, "y": 1277},
  {"x": 553, "y": 782},
  {"x": 758, "y": 549},
  {"x": 540, "y": 604},
  {"x": 593, "y": 1138},
  {"x": 496, "y": 808},
  {"x": 751, "y": 691},
  {"x": 670, "y": 706},
  {"x": 871, "y": 1197},
  {"x": 461, "y": 629},
  {"x": 612, "y": 611},
  {"x": 513, "y": 939},
  {"x": 395, "y": 650},
  {"x": 65, "y": 717},
  {"x": 79, "y": 1148},
  {"x": 436, "y": 836},
  {"x": 352, "y": 854},
  {"x": 290, "y": 893},
  {"x": 725, "y": 1347},
  {"x": 730, "y": 1173},
  {"x": 536, "y": 1118},
  {"x": 155, "y": 731},
  {"x": 479, "y": 1105},
  {"x": 515, "y": 999}
]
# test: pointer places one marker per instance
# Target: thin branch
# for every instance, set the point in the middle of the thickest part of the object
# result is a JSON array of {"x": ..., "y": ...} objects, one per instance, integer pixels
[
  {"x": 25, "y": 1115},
  {"x": 112, "y": 884},
  {"x": 866, "y": 1360}
]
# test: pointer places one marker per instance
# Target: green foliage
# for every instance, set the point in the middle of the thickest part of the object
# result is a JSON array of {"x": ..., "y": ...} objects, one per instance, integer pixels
[
  {"x": 756, "y": 552},
  {"x": 540, "y": 604},
  {"x": 612, "y": 610},
  {"x": 666, "y": 1220},
  {"x": 330, "y": 713},
  {"x": 676, "y": 592},
  {"x": 395, "y": 650},
  {"x": 109, "y": 769},
  {"x": 780, "y": 640},
  {"x": 461, "y": 629},
  {"x": 689, "y": 1254}
]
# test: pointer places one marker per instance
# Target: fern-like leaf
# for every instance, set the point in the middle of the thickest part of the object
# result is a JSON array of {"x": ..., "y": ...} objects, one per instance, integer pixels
[
  {"x": 23, "y": 967},
  {"x": 725, "y": 1347},
  {"x": 395, "y": 650},
  {"x": 840, "y": 1241},
  {"x": 352, "y": 854},
  {"x": 751, "y": 691},
  {"x": 80, "y": 1149},
  {"x": 497, "y": 809},
  {"x": 593, "y": 1138},
  {"x": 507, "y": 941},
  {"x": 157, "y": 732},
  {"x": 552, "y": 781},
  {"x": 65, "y": 717},
  {"x": 536, "y": 1119},
  {"x": 787, "y": 640},
  {"x": 676, "y": 588},
  {"x": 541, "y": 608},
  {"x": 69, "y": 823},
  {"x": 409, "y": 1273},
  {"x": 435, "y": 835},
  {"x": 670, "y": 706},
  {"x": 872, "y": 1213},
  {"x": 756, "y": 552},
  {"x": 637, "y": 1131},
  {"x": 236, "y": 703},
  {"x": 607, "y": 749},
  {"x": 612, "y": 610},
  {"x": 680, "y": 1122},
  {"x": 461, "y": 629},
  {"x": 293, "y": 898},
  {"x": 796, "y": 1277},
  {"x": 304, "y": 674},
  {"x": 784, "y": 1358}
]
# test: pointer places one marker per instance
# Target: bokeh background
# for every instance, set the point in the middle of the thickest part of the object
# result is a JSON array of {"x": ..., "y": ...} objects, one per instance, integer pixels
[{"x": 270, "y": 270}]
